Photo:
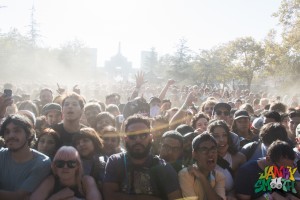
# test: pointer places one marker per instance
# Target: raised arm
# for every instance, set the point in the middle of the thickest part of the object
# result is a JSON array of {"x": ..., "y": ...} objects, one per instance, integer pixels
[
  {"x": 15, "y": 195},
  {"x": 139, "y": 81},
  {"x": 90, "y": 188},
  {"x": 179, "y": 116},
  {"x": 4, "y": 103},
  {"x": 165, "y": 89},
  {"x": 44, "y": 189}
]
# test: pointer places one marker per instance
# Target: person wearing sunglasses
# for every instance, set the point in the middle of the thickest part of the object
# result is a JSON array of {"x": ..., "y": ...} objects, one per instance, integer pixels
[
  {"x": 201, "y": 181},
  {"x": 221, "y": 111},
  {"x": 67, "y": 180},
  {"x": 137, "y": 174}
]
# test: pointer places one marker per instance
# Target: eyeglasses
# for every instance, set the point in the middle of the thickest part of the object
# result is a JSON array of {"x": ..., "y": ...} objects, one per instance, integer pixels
[
  {"x": 142, "y": 136},
  {"x": 205, "y": 150},
  {"x": 226, "y": 113},
  {"x": 62, "y": 163},
  {"x": 166, "y": 147}
]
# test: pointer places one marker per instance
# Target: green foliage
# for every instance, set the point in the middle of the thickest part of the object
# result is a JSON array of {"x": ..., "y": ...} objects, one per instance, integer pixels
[
  {"x": 244, "y": 57},
  {"x": 179, "y": 65},
  {"x": 289, "y": 18},
  {"x": 209, "y": 67}
]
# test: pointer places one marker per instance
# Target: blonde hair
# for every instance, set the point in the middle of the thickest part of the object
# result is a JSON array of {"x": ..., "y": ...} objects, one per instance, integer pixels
[{"x": 69, "y": 153}]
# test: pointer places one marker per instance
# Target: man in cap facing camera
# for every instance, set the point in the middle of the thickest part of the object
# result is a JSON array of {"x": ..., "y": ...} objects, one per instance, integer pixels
[
  {"x": 52, "y": 111},
  {"x": 241, "y": 126}
]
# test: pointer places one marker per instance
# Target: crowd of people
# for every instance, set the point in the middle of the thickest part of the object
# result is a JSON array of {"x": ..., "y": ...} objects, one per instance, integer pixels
[{"x": 196, "y": 142}]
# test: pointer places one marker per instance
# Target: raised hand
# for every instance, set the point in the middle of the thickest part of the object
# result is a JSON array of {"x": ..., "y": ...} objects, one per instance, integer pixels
[
  {"x": 76, "y": 89},
  {"x": 139, "y": 79},
  {"x": 5, "y": 101},
  {"x": 191, "y": 97},
  {"x": 170, "y": 82},
  {"x": 60, "y": 90}
]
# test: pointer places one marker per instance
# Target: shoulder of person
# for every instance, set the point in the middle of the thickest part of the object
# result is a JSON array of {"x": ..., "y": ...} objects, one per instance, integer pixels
[
  {"x": 50, "y": 180},
  {"x": 118, "y": 156},
  {"x": 82, "y": 125},
  {"x": 185, "y": 173},
  {"x": 3, "y": 150},
  {"x": 247, "y": 165},
  {"x": 58, "y": 127},
  {"x": 87, "y": 180},
  {"x": 239, "y": 157},
  {"x": 156, "y": 160},
  {"x": 40, "y": 156},
  {"x": 219, "y": 174}
]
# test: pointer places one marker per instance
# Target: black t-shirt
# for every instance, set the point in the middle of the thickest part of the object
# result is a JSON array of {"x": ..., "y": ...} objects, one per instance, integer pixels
[
  {"x": 65, "y": 137},
  {"x": 246, "y": 178},
  {"x": 155, "y": 177}
]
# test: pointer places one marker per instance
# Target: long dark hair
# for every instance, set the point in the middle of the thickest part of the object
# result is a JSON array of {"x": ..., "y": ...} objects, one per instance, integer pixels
[
  {"x": 221, "y": 123},
  {"x": 20, "y": 121}
]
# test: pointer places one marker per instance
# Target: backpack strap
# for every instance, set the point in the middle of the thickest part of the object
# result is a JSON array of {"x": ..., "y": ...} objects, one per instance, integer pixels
[{"x": 224, "y": 164}]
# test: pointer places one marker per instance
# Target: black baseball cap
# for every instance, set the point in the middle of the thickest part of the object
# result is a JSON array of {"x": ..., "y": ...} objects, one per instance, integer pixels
[{"x": 241, "y": 114}]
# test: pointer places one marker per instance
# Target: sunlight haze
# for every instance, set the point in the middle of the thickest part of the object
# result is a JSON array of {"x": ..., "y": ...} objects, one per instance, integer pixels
[{"x": 140, "y": 25}]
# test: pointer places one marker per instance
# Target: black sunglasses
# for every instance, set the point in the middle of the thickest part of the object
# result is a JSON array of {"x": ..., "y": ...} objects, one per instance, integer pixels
[
  {"x": 226, "y": 113},
  {"x": 142, "y": 136},
  {"x": 62, "y": 163}
]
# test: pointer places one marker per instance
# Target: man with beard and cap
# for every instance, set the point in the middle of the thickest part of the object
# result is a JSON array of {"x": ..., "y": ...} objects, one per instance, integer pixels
[
  {"x": 137, "y": 174},
  {"x": 22, "y": 169}
]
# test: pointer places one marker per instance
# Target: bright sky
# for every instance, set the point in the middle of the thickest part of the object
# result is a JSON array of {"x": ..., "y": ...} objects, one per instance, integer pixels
[{"x": 141, "y": 24}]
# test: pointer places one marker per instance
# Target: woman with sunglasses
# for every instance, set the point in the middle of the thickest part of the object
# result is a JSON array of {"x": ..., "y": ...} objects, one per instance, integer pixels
[
  {"x": 67, "y": 180},
  {"x": 229, "y": 159}
]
